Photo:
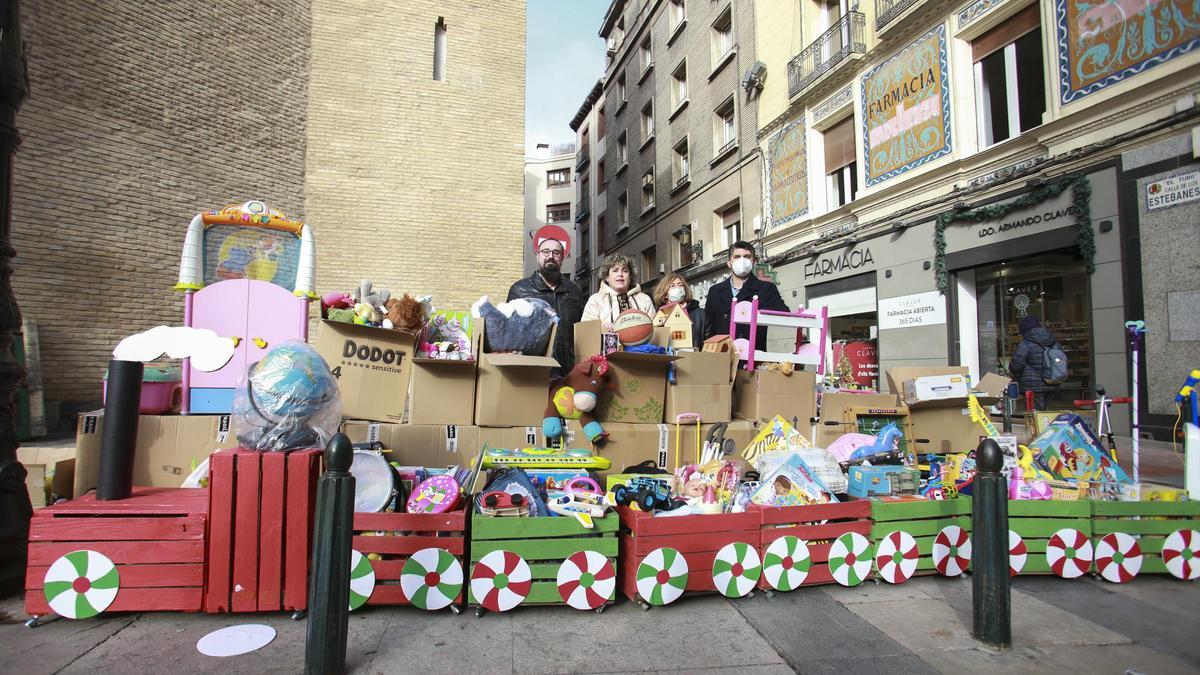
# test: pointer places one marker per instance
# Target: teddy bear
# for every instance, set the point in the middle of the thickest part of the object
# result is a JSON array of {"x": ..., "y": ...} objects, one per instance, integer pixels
[
  {"x": 404, "y": 313},
  {"x": 574, "y": 397}
]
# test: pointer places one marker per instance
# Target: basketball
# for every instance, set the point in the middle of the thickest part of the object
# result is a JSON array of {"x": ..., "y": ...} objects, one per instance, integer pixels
[{"x": 633, "y": 327}]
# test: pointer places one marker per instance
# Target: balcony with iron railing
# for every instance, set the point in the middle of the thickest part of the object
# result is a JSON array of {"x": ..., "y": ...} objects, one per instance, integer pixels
[
  {"x": 582, "y": 161},
  {"x": 842, "y": 44},
  {"x": 892, "y": 13},
  {"x": 583, "y": 208}
]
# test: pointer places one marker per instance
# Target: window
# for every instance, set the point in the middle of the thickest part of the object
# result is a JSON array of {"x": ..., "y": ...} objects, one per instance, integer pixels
[
  {"x": 439, "y": 49},
  {"x": 724, "y": 129},
  {"x": 622, "y": 211},
  {"x": 600, "y": 233},
  {"x": 599, "y": 122},
  {"x": 646, "y": 56},
  {"x": 622, "y": 150},
  {"x": 675, "y": 14},
  {"x": 648, "y": 121},
  {"x": 649, "y": 263},
  {"x": 722, "y": 37},
  {"x": 1010, "y": 92},
  {"x": 679, "y": 89},
  {"x": 601, "y": 177},
  {"x": 684, "y": 240},
  {"x": 730, "y": 221},
  {"x": 679, "y": 164},
  {"x": 620, "y": 91},
  {"x": 841, "y": 165},
  {"x": 558, "y": 213},
  {"x": 558, "y": 177},
  {"x": 648, "y": 190}
]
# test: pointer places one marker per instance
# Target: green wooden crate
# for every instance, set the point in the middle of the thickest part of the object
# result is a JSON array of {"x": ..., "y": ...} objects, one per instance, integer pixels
[
  {"x": 1036, "y": 521},
  {"x": 544, "y": 543},
  {"x": 921, "y": 519},
  {"x": 1148, "y": 522}
]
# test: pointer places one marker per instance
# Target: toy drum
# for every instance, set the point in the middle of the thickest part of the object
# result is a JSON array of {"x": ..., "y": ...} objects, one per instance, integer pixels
[{"x": 375, "y": 482}]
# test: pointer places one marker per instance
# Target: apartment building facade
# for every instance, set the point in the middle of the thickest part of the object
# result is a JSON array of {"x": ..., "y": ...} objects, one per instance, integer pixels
[
  {"x": 936, "y": 171},
  {"x": 682, "y": 170},
  {"x": 550, "y": 201},
  {"x": 591, "y": 196}
]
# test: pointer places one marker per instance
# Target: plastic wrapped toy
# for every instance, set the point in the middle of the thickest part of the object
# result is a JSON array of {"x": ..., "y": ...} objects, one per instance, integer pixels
[
  {"x": 521, "y": 326},
  {"x": 287, "y": 401}
]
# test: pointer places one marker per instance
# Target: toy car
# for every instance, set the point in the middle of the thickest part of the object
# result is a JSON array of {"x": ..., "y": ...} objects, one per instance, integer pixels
[{"x": 647, "y": 492}]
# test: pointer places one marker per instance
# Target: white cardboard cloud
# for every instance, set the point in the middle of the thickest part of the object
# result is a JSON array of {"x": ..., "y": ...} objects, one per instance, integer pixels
[{"x": 207, "y": 350}]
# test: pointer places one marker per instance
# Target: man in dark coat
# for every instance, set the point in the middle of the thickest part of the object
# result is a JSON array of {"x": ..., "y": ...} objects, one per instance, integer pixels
[
  {"x": 1030, "y": 356},
  {"x": 564, "y": 296},
  {"x": 743, "y": 284}
]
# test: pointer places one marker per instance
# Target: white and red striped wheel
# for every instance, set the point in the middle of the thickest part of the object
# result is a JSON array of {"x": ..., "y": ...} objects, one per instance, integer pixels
[
  {"x": 1181, "y": 554},
  {"x": 501, "y": 580},
  {"x": 586, "y": 580},
  {"x": 952, "y": 551},
  {"x": 1017, "y": 553},
  {"x": 896, "y": 557},
  {"x": 1118, "y": 557},
  {"x": 1069, "y": 553}
]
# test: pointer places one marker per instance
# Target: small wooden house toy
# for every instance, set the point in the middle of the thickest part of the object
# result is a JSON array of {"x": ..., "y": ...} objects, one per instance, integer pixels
[
  {"x": 718, "y": 343},
  {"x": 677, "y": 324}
]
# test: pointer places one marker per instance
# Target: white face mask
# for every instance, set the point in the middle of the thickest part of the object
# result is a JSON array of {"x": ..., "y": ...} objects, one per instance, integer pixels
[
  {"x": 675, "y": 294},
  {"x": 742, "y": 266}
]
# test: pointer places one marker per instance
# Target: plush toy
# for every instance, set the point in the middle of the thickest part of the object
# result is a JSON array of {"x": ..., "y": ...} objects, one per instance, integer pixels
[
  {"x": 404, "y": 313},
  {"x": 376, "y": 299},
  {"x": 521, "y": 326},
  {"x": 366, "y": 315},
  {"x": 341, "y": 315},
  {"x": 335, "y": 300},
  {"x": 574, "y": 397}
]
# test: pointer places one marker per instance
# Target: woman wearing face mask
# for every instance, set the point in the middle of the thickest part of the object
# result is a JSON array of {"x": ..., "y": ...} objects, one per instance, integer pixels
[
  {"x": 618, "y": 292},
  {"x": 674, "y": 289}
]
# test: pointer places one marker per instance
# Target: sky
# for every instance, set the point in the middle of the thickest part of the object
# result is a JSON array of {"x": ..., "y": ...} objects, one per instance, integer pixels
[{"x": 563, "y": 59}]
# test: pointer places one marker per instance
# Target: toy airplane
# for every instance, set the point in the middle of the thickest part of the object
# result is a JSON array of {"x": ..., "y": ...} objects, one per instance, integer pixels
[
  {"x": 584, "y": 506},
  {"x": 578, "y": 458}
]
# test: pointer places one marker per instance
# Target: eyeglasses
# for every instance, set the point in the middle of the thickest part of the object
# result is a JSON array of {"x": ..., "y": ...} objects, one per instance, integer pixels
[{"x": 550, "y": 253}]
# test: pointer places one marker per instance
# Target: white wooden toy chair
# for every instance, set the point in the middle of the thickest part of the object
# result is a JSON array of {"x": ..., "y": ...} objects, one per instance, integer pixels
[{"x": 815, "y": 321}]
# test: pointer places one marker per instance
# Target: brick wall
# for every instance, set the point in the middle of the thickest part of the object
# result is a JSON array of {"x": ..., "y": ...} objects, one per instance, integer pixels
[
  {"x": 140, "y": 115},
  {"x": 412, "y": 182}
]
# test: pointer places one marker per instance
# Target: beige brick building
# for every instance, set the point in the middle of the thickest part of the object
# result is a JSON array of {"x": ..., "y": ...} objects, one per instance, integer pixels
[{"x": 143, "y": 114}]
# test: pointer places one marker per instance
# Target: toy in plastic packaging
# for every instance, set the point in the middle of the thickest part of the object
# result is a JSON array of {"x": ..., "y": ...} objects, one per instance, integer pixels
[
  {"x": 521, "y": 326},
  {"x": 447, "y": 335},
  {"x": 793, "y": 483},
  {"x": 777, "y": 435},
  {"x": 287, "y": 401},
  {"x": 1070, "y": 450},
  {"x": 819, "y": 460}
]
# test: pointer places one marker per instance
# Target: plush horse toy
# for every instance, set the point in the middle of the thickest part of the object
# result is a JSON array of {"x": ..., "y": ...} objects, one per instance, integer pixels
[{"x": 574, "y": 397}]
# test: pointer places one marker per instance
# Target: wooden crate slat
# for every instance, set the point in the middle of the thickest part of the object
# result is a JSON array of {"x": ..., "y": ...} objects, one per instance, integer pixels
[
  {"x": 1163, "y": 527},
  {"x": 693, "y": 543},
  {"x": 882, "y": 510},
  {"x": 245, "y": 534},
  {"x": 133, "y": 600},
  {"x": 1049, "y": 509},
  {"x": 815, "y": 512},
  {"x": 220, "y": 529},
  {"x": 137, "y": 576},
  {"x": 270, "y": 535},
  {"x": 142, "y": 552},
  {"x": 406, "y": 545},
  {"x": 303, "y": 470},
  {"x": 117, "y": 528},
  {"x": 1044, "y": 528},
  {"x": 918, "y": 528},
  {"x": 643, "y": 524},
  {"x": 1181, "y": 509},
  {"x": 486, "y": 527},
  {"x": 386, "y": 570},
  {"x": 450, "y": 523},
  {"x": 545, "y": 570},
  {"x": 545, "y": 549},
  {"x": 145, "y": 500},
  {"x": 812, "y": 533},
  {"x": 1153, "y": 564}
]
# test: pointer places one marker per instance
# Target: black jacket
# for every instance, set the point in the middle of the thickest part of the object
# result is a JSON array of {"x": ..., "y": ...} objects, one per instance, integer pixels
[
  {"x": 720, "y": 300},
  {"x": 566, "y": 300},
  {"x": 1029, "y": 358},
  {"x": 696, "y": 314}
]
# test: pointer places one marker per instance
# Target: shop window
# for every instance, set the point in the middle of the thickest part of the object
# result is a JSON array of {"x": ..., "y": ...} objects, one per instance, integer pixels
[
  {"x": 729, "y": 219},
  {"x": 558, "y": 213},
  {"x": 841, "y": 165},
  {"x": 558, "y": 177},
  {"x": 1010, "y": 90}
]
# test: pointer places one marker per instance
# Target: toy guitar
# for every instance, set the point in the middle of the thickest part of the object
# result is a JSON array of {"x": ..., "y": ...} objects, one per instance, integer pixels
[
  {"x": 584, "y": 506},
  {"x": 580, "y": 458},
  {"x": 980, "y": 416}
]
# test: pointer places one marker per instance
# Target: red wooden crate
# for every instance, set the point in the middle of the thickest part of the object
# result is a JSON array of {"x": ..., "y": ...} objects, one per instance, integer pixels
[
  {"x": 697, "y": 537},
  {"x": 393, "y": 537},
  {"x": 155, "y": 538},
  {"x": 260, "y": 534},
  {"x": 817, "y": 524}
]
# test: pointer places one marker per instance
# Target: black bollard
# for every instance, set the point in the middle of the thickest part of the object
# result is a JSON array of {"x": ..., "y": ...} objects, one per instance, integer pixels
[
  {"x": 329, "y": 585},
  {"x": 991, "y": 597},
  {"x": 123, "y": 402}
]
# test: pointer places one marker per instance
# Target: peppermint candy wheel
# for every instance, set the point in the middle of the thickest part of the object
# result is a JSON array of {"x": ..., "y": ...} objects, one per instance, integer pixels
[
  {"x": 896, "y": 557},
  {"x": 362, "y": 579},
  {"x": 786, "y": 563},
  {"x": 1017, "y": 553},
  {"x": 951, "y": 551},
  {"x": 1118, "y": 557},
  {"x": 850, "y": 559},
  {"x": 736, "y": 569},
  {"x": 1180, "y": 551},
  {"x": 431, "y": 579},
  {"x": 1069, "y": 553},
  {"x": 501, "y": 580},
  {"x": 662, "y": 576},
  {"x": 81, "y": 584},
  {"x": 587, "y": 580}
]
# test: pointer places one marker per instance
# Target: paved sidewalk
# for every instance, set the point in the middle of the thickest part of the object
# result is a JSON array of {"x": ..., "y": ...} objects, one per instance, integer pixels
[{"x": 1147, "y": 626}]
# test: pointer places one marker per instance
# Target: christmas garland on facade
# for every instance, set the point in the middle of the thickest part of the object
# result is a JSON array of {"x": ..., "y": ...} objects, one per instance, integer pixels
[{"x": 1081, "y": 202}]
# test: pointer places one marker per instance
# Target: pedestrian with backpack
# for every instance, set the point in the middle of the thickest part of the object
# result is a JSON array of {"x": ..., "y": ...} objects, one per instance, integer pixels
[{"x": 1039, "y": 363}]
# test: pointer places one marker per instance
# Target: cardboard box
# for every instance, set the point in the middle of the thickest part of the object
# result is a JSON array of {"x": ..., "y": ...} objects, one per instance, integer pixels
[
  {"x": 701, "y": 368},
  {"x": 436, "y": 445},
  {"x": 639, "y": 380},
  {"x": 934, "y": 388},
  {"x": 168, "y": 447},
  {"x": 761, "y": 395},
  {"x": 838, "y": 410},
  {"x": 443, "y": 392},
  {"x": 512, "y": 390},
  {"x": 944, "y": 429},
  {"x": 50, "y": 472},
  {"x": 713, "y": 402},
  {"x": 373, "y": 367}
]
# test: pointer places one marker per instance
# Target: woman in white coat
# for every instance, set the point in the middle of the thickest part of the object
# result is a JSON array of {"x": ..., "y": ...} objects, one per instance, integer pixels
[{"x": 618, "y": 292}]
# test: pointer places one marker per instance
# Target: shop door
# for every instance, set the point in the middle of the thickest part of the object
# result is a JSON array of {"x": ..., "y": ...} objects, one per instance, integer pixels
[
  {"x": 1054, "y": 289},
  {"x": 852, "y": 357}
]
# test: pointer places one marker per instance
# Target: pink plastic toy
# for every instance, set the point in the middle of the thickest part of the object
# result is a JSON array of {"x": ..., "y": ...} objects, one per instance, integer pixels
[
  {"x": 437, "y": 494},
  {"x": 816, "y": 321}
]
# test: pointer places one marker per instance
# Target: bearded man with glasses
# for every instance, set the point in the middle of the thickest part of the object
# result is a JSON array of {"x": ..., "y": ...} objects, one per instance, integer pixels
[{"x": 564, "y": 296}]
